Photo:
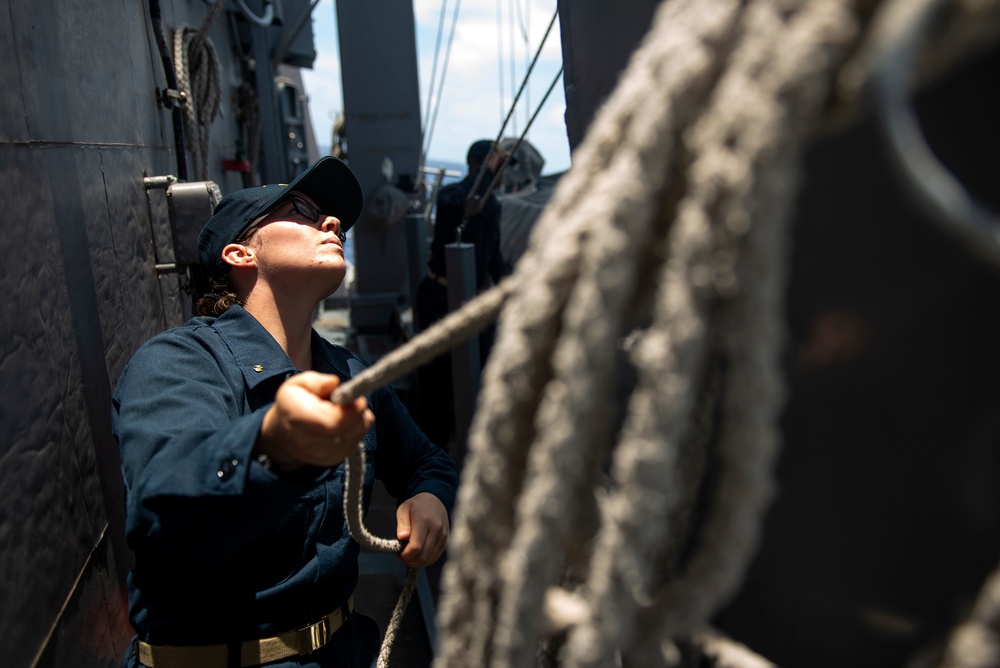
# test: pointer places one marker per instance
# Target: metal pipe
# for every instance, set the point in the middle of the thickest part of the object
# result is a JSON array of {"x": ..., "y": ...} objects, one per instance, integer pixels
[
  {"x": 159, "y": 182},
  {"x": 460, "y": 263}
]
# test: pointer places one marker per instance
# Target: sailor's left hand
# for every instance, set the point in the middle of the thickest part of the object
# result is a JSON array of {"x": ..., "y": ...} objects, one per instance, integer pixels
[{"x": 422, "y": 525}]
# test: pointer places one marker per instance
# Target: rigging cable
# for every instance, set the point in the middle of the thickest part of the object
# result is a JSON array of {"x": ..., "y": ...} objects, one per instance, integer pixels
[
  {"x": 444, "y": 70},
  {"x": 474, "y": 203},
  {"x": 503, "y": 89},
  {"x": 520, "y": 140},
  {"x": 513, "y": 54},
  {"x": 526, "y": 40},
  {"x": 521, "y": 21},
  {"x": 430, "y": 88},
  {"x": 513, "y": 106}
]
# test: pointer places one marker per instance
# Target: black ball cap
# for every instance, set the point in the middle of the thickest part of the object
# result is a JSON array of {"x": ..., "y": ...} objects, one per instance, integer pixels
[{"x": 329, "y": 182}]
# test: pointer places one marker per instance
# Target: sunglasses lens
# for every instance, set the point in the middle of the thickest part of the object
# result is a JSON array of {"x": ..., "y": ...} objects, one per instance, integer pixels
[{"x": 304, "y": 209}]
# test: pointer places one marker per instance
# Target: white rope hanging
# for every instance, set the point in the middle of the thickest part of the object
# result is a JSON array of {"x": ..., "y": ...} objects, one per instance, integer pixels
[
  {"x": 453, "y": 328},
  {"x": 683, "y": 187}
]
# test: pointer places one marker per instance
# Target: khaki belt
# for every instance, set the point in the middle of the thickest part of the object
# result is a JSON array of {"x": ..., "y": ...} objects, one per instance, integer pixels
[
  {"x": 437, "y": 279},
  {"x": 252, "y": 652}
]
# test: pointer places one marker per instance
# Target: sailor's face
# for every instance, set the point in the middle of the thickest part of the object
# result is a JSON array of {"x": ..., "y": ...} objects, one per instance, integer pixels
[{"x": 297, "y": 237}]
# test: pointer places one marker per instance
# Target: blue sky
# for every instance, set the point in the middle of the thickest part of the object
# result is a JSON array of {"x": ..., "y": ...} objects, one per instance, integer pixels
[{"x": 474, "y": 99}]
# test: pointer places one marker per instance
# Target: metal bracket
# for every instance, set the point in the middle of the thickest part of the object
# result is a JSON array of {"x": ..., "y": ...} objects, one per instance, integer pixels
[
  {"x": 171, "y": 98},
  {"x": 190, "y": 205}
]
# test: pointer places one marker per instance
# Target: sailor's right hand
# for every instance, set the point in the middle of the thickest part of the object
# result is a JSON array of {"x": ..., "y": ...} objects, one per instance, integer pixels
[{"x": 304, "y": 427}]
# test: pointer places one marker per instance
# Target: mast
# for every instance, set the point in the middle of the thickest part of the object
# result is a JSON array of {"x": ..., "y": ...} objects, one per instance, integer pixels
[{"x": 382, "y": 111}]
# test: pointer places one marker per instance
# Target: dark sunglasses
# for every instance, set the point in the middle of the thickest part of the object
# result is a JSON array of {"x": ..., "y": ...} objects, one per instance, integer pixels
[{"x": 309, "y": 212}]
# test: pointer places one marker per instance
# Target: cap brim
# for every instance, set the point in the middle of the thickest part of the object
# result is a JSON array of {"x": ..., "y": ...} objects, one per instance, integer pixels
[
  {"x": 329, "y": 182},
  {"x": 332, "y": 185}
]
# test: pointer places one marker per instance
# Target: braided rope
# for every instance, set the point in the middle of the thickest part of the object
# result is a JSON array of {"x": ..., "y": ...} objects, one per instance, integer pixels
[
  {"x": 976, "y": 642},
  {"x": 199, "y": 79},
  {"x": 454, "y": 328},
  {"x": 746, "y": 442},
  {"x": 397, "y": 617},
  {"x": 669, "y": 233},
  {"x": 722, "y": 245},
  {"x": 353, "y": 511},
  {"x": 446, "y": 333}
]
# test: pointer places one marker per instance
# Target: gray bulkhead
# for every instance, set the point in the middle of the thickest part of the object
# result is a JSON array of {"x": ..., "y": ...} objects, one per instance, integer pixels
[{"x": 81, "y": 126}]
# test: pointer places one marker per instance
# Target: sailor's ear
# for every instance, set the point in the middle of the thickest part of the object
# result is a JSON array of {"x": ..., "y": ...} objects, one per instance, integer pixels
[{"x": 239, "y": 255}]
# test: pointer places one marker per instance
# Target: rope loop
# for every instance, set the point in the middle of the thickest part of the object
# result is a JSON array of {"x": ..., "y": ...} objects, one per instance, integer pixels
[{"x": 199, "y": 82}]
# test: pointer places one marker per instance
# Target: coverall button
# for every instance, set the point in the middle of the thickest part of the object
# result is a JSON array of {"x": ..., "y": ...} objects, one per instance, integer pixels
[{"x": 227, "y": 468}]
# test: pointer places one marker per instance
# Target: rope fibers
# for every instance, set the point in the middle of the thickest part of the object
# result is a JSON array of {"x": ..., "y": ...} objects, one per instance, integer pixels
[
  {"x": 686, "y": 175},
  {"x": 620, "y": 461},
  {"x": 199, "y": 78}
]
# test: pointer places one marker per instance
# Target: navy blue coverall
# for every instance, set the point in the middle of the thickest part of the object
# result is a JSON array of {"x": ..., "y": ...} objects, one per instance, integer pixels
[{"x": 225, "y": 549}]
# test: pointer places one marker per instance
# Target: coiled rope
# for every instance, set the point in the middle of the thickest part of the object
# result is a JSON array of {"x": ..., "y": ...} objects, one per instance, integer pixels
[
  {"x": 655, "y": 274},
  {"x": 671, "y": 226},
  {"x": 199, "y": 79}
]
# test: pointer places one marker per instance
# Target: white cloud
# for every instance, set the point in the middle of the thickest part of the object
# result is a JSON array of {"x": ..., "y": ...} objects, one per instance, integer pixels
[
  {"x": 324, "y": 88},
  {"x": 471, "y": 106}
]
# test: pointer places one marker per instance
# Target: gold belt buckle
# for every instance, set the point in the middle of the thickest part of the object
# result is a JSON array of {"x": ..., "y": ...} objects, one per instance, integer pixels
[
  {"x": 314, "y": 636},
  {"x": 320, "y": 633}
]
